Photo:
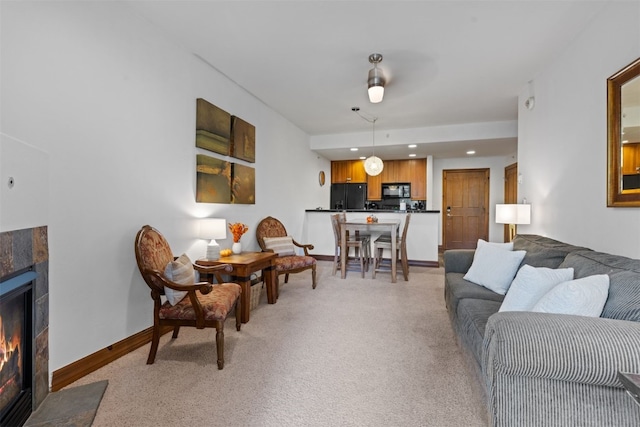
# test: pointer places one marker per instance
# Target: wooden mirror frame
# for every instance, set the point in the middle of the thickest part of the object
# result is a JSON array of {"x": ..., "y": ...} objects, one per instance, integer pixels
[{"x": 616, "y": 196}]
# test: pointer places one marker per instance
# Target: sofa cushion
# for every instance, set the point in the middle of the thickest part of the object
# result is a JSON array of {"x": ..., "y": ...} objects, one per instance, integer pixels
[
  {"x": 623, "y": 302},
  {"x": 530, "y": 284},
  {"x": 543, "y": 251},
  {"x": 624, "y": 297},
  {"x": 581, "y": 297},
  {"x": 473, "y": 315},
  {"x": 494, "y": 267},
  {"x": 460, "y": 288},
  {"x": 588, "y": 263},
  {"x": 457, "y": 289}
]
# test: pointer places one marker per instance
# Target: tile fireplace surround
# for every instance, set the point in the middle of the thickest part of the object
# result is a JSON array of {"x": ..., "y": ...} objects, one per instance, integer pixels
[{"x": 20, "y": 249}]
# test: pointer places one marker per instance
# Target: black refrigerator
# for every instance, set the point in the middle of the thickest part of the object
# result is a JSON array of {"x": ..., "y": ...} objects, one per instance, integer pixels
[{"x": 348, "y": 196}]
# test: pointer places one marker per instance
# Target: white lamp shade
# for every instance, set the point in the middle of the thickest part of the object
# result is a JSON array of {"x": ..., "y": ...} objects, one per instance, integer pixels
[
  {"x": 376, "y": 93},
  {"x": 513, "y": 214},
  {"x": 373, "y": 166},
  {"x": 213, "y": 228}
]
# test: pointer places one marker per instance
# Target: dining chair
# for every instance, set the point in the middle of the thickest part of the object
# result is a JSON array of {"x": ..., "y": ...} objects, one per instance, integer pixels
[
  {"x": 384, "y": 242},
  {"x": 360, "y": 243}
]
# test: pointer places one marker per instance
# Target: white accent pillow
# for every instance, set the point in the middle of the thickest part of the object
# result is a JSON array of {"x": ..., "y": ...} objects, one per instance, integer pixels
[
  {"x": 179, "y": 271},
  {"x": 530, "y": 284},
  {"x": 582, "y": 297},
  {"x": 506, "y": 246},
  {"x": 494, "y": 267},
  {"x": 283, "y": 246}
]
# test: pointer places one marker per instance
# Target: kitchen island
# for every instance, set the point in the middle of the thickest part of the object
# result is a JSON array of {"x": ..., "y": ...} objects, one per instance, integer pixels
[{"x": 422, "y": 238}]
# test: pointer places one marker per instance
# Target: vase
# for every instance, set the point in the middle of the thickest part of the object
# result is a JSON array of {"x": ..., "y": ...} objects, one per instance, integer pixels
[{"x": 236, "y": 248}]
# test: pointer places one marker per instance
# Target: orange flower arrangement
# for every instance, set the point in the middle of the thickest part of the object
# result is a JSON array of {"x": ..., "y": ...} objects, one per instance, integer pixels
[{"x": 238, "y": 229}]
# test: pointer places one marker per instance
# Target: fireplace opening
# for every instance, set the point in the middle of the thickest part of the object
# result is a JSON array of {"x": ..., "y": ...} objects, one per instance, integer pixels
[{"x": 16, "y": 347}]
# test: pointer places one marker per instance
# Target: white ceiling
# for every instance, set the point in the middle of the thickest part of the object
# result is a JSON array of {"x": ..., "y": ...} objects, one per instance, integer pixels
[{"x": 447, "y": 63}]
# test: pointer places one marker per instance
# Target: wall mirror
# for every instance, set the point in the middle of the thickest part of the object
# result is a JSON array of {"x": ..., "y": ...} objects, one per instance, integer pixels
[{"x": 623, "y": 127}]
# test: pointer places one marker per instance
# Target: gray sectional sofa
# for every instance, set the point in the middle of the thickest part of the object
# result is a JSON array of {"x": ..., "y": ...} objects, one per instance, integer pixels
[{"x": 541, "y": 369}]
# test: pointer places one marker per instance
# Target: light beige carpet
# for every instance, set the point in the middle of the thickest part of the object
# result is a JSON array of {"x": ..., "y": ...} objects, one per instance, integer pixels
[{"x": 354, "y": 352}]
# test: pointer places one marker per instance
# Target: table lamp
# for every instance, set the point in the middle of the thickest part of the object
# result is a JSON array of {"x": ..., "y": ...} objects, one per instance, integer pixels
[
  {"x": 212, "y": 229},
  {"x": 513, "y": 215}
]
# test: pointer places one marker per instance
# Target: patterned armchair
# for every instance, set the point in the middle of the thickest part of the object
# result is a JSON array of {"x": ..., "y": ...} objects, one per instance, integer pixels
[
  {"x": 203, "y": 305},
  {"x": 273, "y": 237}
]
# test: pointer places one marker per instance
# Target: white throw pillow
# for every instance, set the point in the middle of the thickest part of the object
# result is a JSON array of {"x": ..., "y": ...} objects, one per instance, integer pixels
[
  {"x": 507, "y": 246},
  {"x": 179, "y": 271},
  {"x": 494, "y": 267},
  {"x": 283, "y": 246},
  {"x": 530, "y": 284},
  {"x": 582, "y": 297}
]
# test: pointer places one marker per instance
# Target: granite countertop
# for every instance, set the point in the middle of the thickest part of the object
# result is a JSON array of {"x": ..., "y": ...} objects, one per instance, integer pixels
[{"x": 373, "y": 211}]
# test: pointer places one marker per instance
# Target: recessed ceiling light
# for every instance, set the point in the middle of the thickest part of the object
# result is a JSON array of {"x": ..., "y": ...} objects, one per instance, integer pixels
[
  {"x": 363, "y": 158},
  {"x": 412, "y": 155},
  {"x": 413, "y": 145},
  {"x": 470, "y": 152},
  {"x": 354, "y": 149}
]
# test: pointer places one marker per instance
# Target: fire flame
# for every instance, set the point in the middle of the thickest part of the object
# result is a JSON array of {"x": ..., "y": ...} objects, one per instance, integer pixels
[{"x": 7, "y": 347}]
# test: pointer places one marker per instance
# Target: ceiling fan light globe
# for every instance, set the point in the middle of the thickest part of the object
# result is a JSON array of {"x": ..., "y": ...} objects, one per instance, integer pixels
[
  {"x": 373, "y": 166},
  {"x": 376, "y": 93}
]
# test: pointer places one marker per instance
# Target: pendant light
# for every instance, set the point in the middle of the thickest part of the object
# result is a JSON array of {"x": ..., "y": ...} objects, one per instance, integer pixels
[
  {"x": 376, "y": 79},
  {"x": 372, "y": 165}
]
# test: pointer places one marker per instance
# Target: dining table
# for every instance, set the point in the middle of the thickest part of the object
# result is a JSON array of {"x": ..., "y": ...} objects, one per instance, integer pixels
[{"x": 349, "y": 226}]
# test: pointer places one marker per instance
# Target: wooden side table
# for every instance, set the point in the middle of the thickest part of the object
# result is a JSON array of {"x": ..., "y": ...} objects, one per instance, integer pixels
[{"x": 243, "y": 265}]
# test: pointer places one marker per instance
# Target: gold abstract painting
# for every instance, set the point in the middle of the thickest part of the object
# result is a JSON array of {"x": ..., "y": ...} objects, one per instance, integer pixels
[
  {"x": 243, "y": 184},
  {"x": 213, "y": 127},
  {"x": 243, "y": 140},
  {"x": 213, "y": 180}
]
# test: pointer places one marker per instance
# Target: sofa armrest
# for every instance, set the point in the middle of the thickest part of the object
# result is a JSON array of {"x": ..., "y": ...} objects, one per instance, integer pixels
[
  {"x": 576, "y": 349},
  {"x": 458, "y": 260}
]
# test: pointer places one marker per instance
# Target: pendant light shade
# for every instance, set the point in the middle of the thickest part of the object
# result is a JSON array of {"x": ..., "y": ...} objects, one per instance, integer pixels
[
  {"x": 373, "y": 166},
  {"x": 376, "y": 79}
]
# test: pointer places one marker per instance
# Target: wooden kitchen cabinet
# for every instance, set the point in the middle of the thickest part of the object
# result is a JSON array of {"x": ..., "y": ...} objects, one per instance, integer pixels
[
  {"x": 418, "y": 178},
  {"x": 374, "y": 187},
  {"x": 630, "y": 158},
  {"x": 413, "y": 171},
  {"x": 389, "y": 173},
  {"x": 348, "y": 171}
]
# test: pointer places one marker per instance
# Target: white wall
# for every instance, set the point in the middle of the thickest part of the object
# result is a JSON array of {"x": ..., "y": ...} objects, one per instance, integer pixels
[
  {"x": 24, "y": 185},
  {"x": 562, "y": 149},
  {"x": 496, "y": 167},
  {"x": 111, "y": 102}
]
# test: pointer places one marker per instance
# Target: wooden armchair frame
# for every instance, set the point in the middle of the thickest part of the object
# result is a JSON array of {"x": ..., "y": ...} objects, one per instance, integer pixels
[
  {"x": 155, "y": 279},
  {"x": 272, "y": 227}
]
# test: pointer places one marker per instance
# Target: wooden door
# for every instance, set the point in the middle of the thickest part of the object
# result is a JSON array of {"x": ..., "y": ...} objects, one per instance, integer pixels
[
  {"x": 465, "y": 201},
  {"x": 510, "y": 192}
]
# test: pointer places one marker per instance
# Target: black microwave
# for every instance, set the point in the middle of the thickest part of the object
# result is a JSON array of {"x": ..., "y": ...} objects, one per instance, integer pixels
[{"x": 396, "y": 191}]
